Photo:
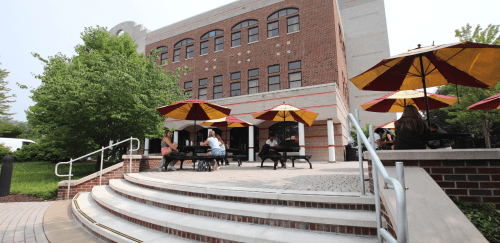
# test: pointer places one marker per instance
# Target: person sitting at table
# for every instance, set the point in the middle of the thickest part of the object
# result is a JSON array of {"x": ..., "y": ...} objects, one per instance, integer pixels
[
  {"x": 379, "y": 132},
  {"x": 441, "y": 143},
  {"x": 214, "y": 144},
  {"x": 166, "y": 149},
  {"x": 274, "y": 143},
  {"x": 410, "y": 130},
  {"x": 222, "y": 146}
]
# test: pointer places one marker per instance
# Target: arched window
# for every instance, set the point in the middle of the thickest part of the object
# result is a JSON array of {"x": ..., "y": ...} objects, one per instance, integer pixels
[
  {"x": 160, "y": 49},
  {"x": 244, "y": 24},
  {"x": 287, "y": 130},
  {"x": 282, "y": 12},
  {"x": 212, "y": 34},
  {"x": 183, "y": 42}
]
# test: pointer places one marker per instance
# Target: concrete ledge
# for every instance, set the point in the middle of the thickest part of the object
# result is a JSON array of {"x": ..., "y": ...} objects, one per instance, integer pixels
[
  {"x": 432, "y": 216},
  {"x": 91, "y": 176},
  {"x": 436, "y": 154},
  {"x": 133, "y": 156}
]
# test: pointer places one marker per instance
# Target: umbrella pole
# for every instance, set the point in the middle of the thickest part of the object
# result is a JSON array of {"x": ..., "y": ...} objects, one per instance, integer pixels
[
  {"x": 456, "y": 84},
  {"x": 425, "y": 91},
  {"x": 195, "y": 134},
  {"x": 226, "y": 133}
]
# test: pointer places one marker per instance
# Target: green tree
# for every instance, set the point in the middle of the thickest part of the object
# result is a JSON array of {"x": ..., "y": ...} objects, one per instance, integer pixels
[
  {"x": 107, "y": 91},
  {"x": 4, "y": 97},
  {"x": 478, "y": 122},
  {"x": 9, "y": 130}
]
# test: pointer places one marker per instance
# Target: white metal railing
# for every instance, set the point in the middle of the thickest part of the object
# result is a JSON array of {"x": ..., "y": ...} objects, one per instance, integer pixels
[
  {"x": 69, "y": 175},
  {"x": 397, "y": 184}
]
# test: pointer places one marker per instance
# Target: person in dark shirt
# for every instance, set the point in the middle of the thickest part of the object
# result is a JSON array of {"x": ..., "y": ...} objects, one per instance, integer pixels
[
  {"x": 410, "y": 129},
  {"x": 441, "y": 143}
]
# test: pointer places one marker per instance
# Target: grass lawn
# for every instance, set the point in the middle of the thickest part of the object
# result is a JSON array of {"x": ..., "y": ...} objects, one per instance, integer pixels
[{"x": 38, "y": 178}]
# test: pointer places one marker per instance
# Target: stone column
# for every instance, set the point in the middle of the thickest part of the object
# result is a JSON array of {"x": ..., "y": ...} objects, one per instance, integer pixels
[
  {"x": 302, "y": 141},
  {"x": 146, "y": 147},
  {"x": 176, "y": 137},
  {"x": 250, "y": 144},
  {"x": 331, "y": 141}
]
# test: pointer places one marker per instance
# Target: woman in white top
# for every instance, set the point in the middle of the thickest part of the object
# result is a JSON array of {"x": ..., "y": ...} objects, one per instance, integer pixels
[{"x": 216, "y": 149}]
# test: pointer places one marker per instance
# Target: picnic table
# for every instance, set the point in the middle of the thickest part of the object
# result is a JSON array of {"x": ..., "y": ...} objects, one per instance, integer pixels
[
  {"x": 193, "y": 150},
  {"x": 285, "y": 156},
  {"x": 233, "y": 155}
]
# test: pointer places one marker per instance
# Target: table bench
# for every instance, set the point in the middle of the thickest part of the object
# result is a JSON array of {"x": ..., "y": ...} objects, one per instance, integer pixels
[
  {"x": 194, "y": 158},
  {"x": 276, "y": 158}
]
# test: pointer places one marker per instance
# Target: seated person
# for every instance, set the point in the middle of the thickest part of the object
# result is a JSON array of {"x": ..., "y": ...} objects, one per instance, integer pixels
[
  {"x": 274, "y": 143},
  {"x": 410, "y": 129},
  {"x": 216, "y": 150},
  {"x": 441, "y": 143},
  {"x": 166, "y": 149},
  {"x": 222, "y": 146},
  {"x": 379, "y": 132}
]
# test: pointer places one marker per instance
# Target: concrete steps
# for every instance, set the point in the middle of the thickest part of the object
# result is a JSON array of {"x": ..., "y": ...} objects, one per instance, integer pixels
[{"x": 198, "y": 227}]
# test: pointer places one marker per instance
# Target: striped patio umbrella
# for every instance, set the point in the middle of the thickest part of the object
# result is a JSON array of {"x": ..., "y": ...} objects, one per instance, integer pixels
[
  {"x": 228, "y": 121},
  {"x": 467, "y": 64},
  {"x": 396, "y": 102},
  {"x": 194, "y": 109},
  {"x": 287, "y": 112},
  {"x": 490, "y": 103},
  {"x": 389, "y": 125}
]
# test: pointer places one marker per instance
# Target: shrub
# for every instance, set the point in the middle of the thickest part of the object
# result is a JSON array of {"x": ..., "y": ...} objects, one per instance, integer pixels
[
  {"x": 4, "y": 151},
  {"x": 484, "y": 216},
  {"x": 43, "y": 151}
]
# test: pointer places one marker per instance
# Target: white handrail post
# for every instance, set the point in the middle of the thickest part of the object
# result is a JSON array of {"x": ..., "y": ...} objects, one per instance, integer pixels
[
  {"x": 131, "y": 154},
  {"x": 360, "y": 158},
  {"x": 376, "y": 189},
  {"x": 102, "y": 159},
  {"x": 400, "y": 173},
  {"x": 69, "y": 177}
]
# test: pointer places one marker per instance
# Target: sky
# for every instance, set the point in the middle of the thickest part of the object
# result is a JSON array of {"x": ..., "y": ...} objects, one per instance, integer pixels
[{"x": 51, "y": 26}]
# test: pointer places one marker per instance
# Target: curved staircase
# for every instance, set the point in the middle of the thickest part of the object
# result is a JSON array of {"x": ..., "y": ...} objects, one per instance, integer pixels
[{"x": 139, "y": 208}]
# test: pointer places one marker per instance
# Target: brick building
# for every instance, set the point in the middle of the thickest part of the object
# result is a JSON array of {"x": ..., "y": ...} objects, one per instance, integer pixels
[{"x": 251, "y": 55}]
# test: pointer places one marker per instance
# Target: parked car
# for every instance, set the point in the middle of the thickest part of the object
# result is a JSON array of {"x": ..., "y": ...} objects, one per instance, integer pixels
[{"x": 15, "y": 143}]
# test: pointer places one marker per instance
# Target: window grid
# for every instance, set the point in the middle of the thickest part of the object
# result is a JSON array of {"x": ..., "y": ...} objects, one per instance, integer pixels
[
  {"x": 189, "y": 51},
  {"x": 219, "y": 43},
  {"x": 177, "y": 55},
  {"x": 253, "y": 86},
  {"x": 236, "y": 39},
  {"x": 235, "y": 89},
  {"x": 293, "y": 24},
  {"x": 212, "y": 33},
  {"x": 164, "y": 57},
  {"x": 253, "y": 34},
  {"x": 253, "y": 72},
  {"x": 218, "y": 92},
  {"x": 294, "y": 65},
  {"x": 202, "y": 94},
  {"x": 235, "y": 76},
  {"x": 188, "y": 85},
  {"x": 244, "y": 24},
  {"x": 295, "y": 80},
  {"x": 273, "y": 69},
  {"x": 183, "y": 42},
  {"x": 218, "y": 79},
  {"x": 204, "y": 48},
  {"x": 203, "y": 82},
  {"x": 282, "y": 13},
  {"x": 274, "y": 83},
  {"x": 272, "y": 29}
]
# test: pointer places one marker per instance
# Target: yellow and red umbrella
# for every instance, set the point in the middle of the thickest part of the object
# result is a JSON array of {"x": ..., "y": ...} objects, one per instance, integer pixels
[
  {"x": 396, "y": 102},
  {"x": 228, "y": 121},
  {"x": 287, "y": 112},
  {"x": 389, "y": 125},
  {"x": 194, "y": 109},
  {"x": 490, "y": 103}
]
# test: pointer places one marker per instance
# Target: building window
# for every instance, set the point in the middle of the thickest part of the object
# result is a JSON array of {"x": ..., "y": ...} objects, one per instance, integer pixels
[
  {"x": 236, "y": 39},
  {"x": 272, "y": 29},
  {"x": 253, "y": 34},
  {"x": 219, "y": 43},
  {"x": 253, "y": 73},
  {"x": 177, "y": 55},
  {"x": 189, "y": 52},
  {"x": 204, "y": 48},
  {"x": 235, "y": 89},
  {"x": 188, "y": 85},
  {"x": 202, "y": 94},
  {"x": 188, "y": 93},
  {"x": 218, "y": 79},
  {"x": 235, "y": 76},
  {"x": 273, "y": 69},
  {"x": 244, "y": 24},
  {"x": 282, "y": 12},
  {"x": 287, "y": 130},
  {"x": 293, "y": 24},
  {"x": 160, "y": 49},
  {"x": 253, "y": 86},
  {"x": 218, "y": 92},
  {"x": 274, "y": 83},
  {"x": 212, "y": 33},
  {"x": 203, "y": 81},
  {"x": 183, "y": 42},
  {"x": 295, "y": 80},
  {"x": 164, "y": 57},
  {"x": 294, "y": 65}
]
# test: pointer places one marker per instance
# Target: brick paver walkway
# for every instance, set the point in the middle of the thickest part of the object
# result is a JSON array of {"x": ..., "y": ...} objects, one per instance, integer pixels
[
  {"x": 337, "y": 177},
  {"x": 22, "y": 221}
]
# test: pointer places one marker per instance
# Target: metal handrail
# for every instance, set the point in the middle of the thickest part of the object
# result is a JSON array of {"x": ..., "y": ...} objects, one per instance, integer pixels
[
  {"x": 399, "y": 190},
  {"x": 69, "y": 175}
]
